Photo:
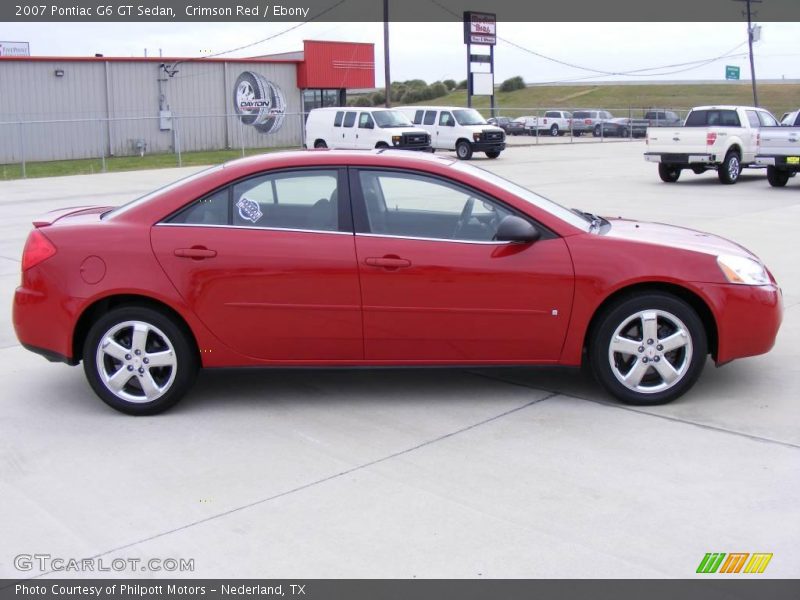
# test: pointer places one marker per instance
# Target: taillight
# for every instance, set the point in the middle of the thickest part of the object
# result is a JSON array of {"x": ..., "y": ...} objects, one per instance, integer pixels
[
  {"x": 545, "y": 121},
  {"x": 711, "y": 138},
  {"x": 758, "y": 139},
  {"x": 37, "y": 249}
]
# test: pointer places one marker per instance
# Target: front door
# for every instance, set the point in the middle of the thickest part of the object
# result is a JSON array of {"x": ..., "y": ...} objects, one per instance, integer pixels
[
  {"x": 268, "y": 264},
  {"x": 436, "y": 287}
]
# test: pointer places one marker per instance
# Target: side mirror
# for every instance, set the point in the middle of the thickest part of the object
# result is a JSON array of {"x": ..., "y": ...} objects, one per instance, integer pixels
[{"x": 516, "y": 229}]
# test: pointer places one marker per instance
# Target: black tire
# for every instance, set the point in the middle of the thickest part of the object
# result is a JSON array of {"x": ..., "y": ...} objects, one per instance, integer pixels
[
  {"x": 381, "y": 145},
  {"x": 730, "y": 169},
  {"x": 554, "y": 130},
  {"x": 777, "y": 178},
  {"x": 698, "y": 170},
  {"x": 626, "y": 319},
  {"x": 598, "y": 131},
  {"x": 576, "y": 134},
  {"x": 320, "y": 144},
  {"x": 668, "y": 173},
  {"x": 493, "y": 154},
  {"x": 623, "y": 133},
  {"x": 161, "y": 331},
  {"x": 464, "y": 150}
]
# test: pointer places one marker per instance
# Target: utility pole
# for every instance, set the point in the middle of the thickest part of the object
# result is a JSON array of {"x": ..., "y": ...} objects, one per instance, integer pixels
[
  {"x": 387, "y": 76},
  {"x": 750, "y": 44}
]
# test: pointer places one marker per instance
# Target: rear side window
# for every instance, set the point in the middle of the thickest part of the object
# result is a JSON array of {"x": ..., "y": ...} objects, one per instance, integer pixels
[
  {"x": 349, "y": 119},
  {"x": 337, "y": 120},
  {"x": 430, "y": 117},
  {"x": 211, "y": 210},
  {"x": 418, "y": 117}
]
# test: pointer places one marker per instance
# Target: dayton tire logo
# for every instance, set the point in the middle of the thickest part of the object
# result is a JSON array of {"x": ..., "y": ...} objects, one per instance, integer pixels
[
  {"x": 259, "y": 102},
  {"x": 736, "y": 562}
]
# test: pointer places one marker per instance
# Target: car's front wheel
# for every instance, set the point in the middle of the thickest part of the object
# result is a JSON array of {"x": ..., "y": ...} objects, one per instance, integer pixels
[
  {"x": 777, "y": 178},
  {"x": 493, "y": 154},
  {"x": 138, "y": 360},
  {"x": 464, "y": 150},
  {"x": 648, "y": 349}
]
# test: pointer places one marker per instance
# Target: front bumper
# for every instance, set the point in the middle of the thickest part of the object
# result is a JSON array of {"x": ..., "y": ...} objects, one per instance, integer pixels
[
  {"x": 748, "y": 318},
  {"x": 482, "y": 146}
]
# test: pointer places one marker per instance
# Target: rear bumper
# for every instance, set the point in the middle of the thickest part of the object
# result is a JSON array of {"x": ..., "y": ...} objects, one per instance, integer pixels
[
  {"x": 680, "y": 159},
  {"x": 780, "y": 162},
  {"x": 44, "y": 325}
]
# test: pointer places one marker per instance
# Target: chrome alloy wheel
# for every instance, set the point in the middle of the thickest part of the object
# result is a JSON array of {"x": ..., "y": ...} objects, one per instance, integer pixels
[
  {"x": 733, "y": 168},
  {"x": 650, "y": 351},
  {"x": 136, "y": 361}
]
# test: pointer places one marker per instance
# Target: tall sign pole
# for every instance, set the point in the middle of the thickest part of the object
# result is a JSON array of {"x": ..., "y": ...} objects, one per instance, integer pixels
[
  {"x": 750, "y": 44},
  {"x": 387, "y": 76},
  {"x": 480, "y": 29}
]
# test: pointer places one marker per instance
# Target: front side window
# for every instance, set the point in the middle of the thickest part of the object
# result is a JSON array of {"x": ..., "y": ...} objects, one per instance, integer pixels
[
  {"x": 418, "y": 206},
  {"x": 304, "y": 200},
  {"x": 752, "y": 118},
  {"x": 446, "y": 119},
  {"x": 365, "y": 121}
]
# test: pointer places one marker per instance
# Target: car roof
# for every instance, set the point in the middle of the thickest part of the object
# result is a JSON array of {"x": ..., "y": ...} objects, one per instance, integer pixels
[
  {"x": 350, "y": 108},
  {"x": 333, "y": 157},
  {"x": 435, "y": 107},
  {"x": 726, "y": 107}
]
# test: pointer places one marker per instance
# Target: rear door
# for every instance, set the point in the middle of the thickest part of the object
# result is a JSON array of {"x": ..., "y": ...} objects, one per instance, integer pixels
[
  {"x": 268, "y": 264},
  {"x": 435, "y": 285}
]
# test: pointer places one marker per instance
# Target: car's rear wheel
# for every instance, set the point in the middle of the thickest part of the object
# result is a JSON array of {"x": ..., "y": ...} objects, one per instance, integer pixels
[
  {"x": 777, "y": 178},
  {"x": 668, "y": 173},
  {"x": 464, "y": 150},
  {"x": 320, "y": 144},
  {"x": 138, "y": 360},
  {"x": 648, "y": 349},
  {"x": 598, "y": 131},
  {"x": 730, "y": 169},
  {"x": 554, "y": 130}
]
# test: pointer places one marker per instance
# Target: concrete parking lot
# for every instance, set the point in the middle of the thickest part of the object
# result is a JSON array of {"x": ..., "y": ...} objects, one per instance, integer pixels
[{"x": 419, "y": 473}]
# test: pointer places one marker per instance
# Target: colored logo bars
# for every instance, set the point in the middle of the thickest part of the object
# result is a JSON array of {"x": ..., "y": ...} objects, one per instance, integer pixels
[{"x": 716, "y": 562}]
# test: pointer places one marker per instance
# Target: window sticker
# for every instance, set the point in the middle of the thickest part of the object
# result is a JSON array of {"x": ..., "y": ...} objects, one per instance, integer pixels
[{"x": 249, "y": 209}]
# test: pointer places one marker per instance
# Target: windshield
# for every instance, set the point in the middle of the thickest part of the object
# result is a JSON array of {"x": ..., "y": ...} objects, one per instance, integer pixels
[
  {"x": 391, "y": 118},
  {"x": 150, "y": 195},
  {"x": 573, "y": 218},
  {"x": 468, "y": 116}
]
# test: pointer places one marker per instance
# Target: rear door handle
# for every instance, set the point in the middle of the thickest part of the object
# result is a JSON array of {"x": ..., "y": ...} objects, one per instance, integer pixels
[
  {"x": 196, "y": 253},
  {"x": 387, "y": 262}
]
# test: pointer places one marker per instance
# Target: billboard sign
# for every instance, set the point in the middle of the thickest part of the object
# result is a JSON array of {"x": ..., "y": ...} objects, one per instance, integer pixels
[
  {"x": 259, "y": 102},
  {"x": 15, "y": 49},
  {"x": 480, "y": 28}
]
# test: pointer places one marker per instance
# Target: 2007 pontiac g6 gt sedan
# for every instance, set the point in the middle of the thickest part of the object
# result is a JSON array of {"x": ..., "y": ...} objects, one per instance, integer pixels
[{"x": 342, "y": 258}]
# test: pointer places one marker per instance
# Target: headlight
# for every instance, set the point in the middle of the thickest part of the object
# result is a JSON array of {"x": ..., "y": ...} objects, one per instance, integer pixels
[
  {"x": 476, "y": 137},
  {"x": 743, "y": 270},
  {"x": 396, "y": 139}
]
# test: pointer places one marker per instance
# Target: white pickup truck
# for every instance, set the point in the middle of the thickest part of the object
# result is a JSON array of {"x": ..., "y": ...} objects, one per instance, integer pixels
[
  {"x": 721, "y": 138},
  {"x": 779, "y": 150}
]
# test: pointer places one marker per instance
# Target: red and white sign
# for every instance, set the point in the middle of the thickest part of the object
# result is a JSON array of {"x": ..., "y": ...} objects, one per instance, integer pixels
[{"x": 480, "y": 28}]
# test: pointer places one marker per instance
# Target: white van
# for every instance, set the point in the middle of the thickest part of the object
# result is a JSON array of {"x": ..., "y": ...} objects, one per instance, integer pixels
[
  {"x": 363, "y": 129},
  {"x": 461, "y": 129}
]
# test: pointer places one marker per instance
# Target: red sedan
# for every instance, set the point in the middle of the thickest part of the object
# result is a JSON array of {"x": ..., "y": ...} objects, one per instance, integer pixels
[{"x": 329, "y": 258}]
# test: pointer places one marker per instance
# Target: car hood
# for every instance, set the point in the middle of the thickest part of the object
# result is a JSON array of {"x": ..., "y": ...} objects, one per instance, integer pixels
[{"x": 674, "y": 237}]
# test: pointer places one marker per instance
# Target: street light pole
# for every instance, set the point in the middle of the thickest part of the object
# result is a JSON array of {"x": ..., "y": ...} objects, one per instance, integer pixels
[
  {"x": 387, "y": 76},
  {"x": 750, "y": 44}
]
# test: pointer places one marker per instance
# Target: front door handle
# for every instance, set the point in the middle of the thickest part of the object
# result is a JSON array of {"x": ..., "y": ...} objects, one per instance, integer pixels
[
  {"x": 387, "y": 262},
  {"x": 196, "y": 253}
]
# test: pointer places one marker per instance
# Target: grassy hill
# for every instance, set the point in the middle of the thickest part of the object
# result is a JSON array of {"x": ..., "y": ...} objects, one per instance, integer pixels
[{"x": 778, "y": 98}]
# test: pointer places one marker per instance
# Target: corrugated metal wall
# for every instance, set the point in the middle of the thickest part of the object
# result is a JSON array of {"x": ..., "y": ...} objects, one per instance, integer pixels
[{"x": 200, "y": 97}]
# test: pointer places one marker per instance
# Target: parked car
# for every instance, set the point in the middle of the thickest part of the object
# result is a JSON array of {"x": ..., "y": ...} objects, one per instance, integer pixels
[
  {"x": 461, "y": 129},
  {"x": 721, "y": 138},
  {"x": 589, "y": 121},
  {"x": 553, "y": 122},
  {"x": 661, "y": 118},
  {"x": 381, "y": 258},
  {"x": 364, "y": 129},
  {"x": 624, "y": 127},
  {"x": 779, "y": 151},
  {"x": 511, "y": 127}
]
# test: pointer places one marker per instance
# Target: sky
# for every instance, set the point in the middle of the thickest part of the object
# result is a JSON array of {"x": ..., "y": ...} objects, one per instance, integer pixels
[{"x": 434, "y": 51}]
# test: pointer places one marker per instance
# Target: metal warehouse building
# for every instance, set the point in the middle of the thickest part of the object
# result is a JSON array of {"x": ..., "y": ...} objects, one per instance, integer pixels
[{"x": 54, "y": 108}]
